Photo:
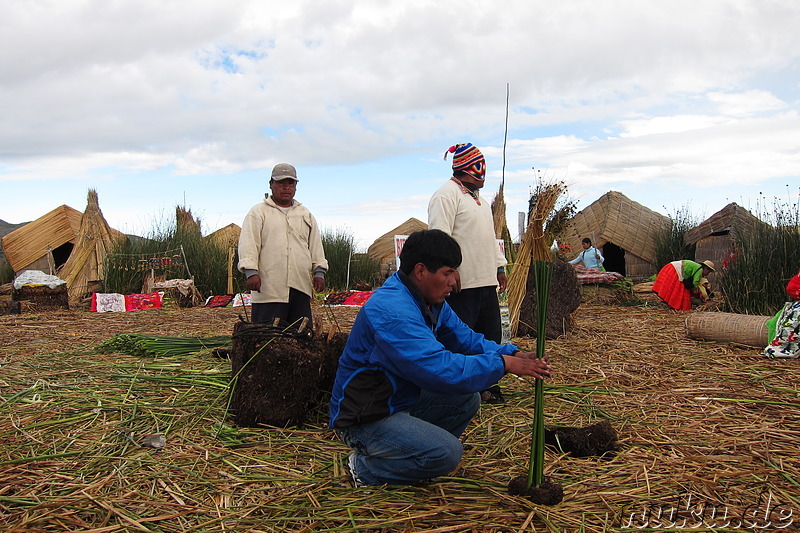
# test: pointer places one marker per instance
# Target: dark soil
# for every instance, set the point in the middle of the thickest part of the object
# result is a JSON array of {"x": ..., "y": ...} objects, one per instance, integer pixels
[
  {"x": 594, "y": 440},
  {"x": 548, "y": 493}
]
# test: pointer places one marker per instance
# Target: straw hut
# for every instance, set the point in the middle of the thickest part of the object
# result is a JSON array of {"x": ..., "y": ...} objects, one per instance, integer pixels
[
  {"x": 382, "y": 250},
  {"x": 623, "y": 230},
  {"x": 44, "y": 244},
  {"x": 85, "y": 268},
  {"x": 227, "y": 237},
  {"x": 185, "y": 222},
  {"x": 715, "y": 238}
]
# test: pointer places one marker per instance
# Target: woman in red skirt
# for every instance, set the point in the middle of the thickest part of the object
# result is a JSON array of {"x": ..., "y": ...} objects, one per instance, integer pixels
[{"x": 677, "y": 281}]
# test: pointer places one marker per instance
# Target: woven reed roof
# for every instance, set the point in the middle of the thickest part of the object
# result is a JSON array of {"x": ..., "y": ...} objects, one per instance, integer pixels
[
  {"x": 383, "y": 247},
  {"x": 617, "y": 219},
  {"x": 227, "y": 236},
  {"x": 732, "y": 218},
  {"x": 25, "y": 245},
  {"x": 185, "y": 221},
  {"x": 87, "y": 260}
]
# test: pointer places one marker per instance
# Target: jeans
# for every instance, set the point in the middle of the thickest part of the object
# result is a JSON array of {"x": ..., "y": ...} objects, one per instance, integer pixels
[{"x": 409, "y": 447}]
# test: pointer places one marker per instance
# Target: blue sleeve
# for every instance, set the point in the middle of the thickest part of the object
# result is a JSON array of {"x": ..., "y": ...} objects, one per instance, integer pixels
[{"x": 407, "y": 347}]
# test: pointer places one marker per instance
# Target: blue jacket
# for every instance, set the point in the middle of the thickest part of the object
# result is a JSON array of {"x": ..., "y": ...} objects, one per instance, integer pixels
[{"x": 398, "y": 346}]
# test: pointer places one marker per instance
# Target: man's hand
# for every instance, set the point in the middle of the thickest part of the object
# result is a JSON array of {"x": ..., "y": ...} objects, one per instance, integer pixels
[
  {"x": 502, "y": 280},
  {"x": 254, "y": 283},
  {"x": 527, "y": 364},
  {"x": 319, "y": 284}
]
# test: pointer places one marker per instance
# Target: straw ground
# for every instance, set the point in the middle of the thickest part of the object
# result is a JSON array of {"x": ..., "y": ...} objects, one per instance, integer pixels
[{"x": 708, "y": 437}]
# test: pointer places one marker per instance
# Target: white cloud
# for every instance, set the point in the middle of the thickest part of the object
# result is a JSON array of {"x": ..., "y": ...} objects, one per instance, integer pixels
[{"x": 623, "y": 92}]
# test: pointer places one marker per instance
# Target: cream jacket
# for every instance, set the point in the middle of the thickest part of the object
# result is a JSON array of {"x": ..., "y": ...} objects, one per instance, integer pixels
[
  {"x": 456, "y": 213},
  {"x": 284, "y": 248}
]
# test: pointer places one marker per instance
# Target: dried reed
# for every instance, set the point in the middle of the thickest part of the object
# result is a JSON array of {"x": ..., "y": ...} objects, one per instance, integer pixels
[{"x": 704, "y": 428}]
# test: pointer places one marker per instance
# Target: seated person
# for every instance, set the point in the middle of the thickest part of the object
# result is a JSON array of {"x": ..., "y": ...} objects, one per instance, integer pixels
[
  {"x": 785, "y": 342},
  {"x": 590, "y": 256},
  {"x": 409, "y": 378}
]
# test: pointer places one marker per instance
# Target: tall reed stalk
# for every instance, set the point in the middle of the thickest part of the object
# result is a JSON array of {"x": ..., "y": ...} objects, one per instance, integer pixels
[
  {"x": 669, "y": 240},
  {"x": 346, "y": 267},
  {"x": 753, "y": 276},
  {"x": 543, "y": 274}
]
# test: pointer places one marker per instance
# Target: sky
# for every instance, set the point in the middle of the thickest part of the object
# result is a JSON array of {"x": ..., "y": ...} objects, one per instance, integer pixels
[{"x": 687, "y": 104}]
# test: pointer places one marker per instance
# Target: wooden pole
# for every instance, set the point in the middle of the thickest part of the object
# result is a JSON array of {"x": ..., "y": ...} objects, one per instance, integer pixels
[{"x": 230, "y": 270}]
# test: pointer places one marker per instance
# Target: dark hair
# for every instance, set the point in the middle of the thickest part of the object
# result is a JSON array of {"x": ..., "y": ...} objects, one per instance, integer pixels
[
  {"x": 587, "y": 240},
  {"x": 431, "y": 247}
]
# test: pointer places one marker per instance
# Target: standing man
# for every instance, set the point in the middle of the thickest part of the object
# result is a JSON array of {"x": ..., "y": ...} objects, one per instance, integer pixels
[
  {"x": 280, "y": 248},
  {"x": 590, "y": 256},
  {"x": 458, "y": 209},
  {"x": 408, "y": 380}
]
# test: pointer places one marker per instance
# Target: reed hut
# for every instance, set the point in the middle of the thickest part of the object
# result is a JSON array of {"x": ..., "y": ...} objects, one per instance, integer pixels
[
  {"x": 84, "y": 270},
  {"x": 716, "y": 237},
  {"x": 382, "y": 249},
  {"x": 44, "y": 244},
  {"x": 623, "y": 229},
  {"x": 226, "y": 237},
  {"x": 185, "y": 222}
]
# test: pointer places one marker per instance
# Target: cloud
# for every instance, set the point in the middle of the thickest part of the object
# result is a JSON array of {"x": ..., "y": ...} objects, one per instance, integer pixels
[{"x": 603, "y": 94}]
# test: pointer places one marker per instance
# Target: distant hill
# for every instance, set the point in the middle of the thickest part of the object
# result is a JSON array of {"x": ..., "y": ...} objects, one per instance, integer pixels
[{"x": 7, "y": 227}]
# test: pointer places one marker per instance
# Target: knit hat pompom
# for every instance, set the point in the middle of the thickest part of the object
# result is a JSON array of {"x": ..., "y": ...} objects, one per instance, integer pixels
[{"x": 467, "y": 158}]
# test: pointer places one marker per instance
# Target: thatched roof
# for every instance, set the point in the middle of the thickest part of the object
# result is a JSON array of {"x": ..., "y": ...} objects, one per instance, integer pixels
[
  {"x": 86, "y": 262},
  {"x": 732, "y": 218},
  {"x": 32, "y": 241},
  {"x": 617, "y": 219},
  {"x": 383, "y": 248},
  {"x": 185, "y": 221},
  {"x": 226, "y": 237}
]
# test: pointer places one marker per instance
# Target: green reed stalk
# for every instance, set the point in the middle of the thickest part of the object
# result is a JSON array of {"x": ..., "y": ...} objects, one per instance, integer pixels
[{"x": 543, "y": 274}]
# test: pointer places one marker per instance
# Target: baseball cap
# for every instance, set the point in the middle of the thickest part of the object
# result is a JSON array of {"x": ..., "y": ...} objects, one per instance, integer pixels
[{"x": 284, "y": 171}]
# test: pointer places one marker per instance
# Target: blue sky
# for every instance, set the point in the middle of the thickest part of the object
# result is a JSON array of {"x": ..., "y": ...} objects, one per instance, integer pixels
[{"x": 153, "y": 104}]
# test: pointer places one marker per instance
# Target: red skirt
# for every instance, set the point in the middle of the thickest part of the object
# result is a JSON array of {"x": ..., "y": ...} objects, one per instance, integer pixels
[{"x": 671, "y": 290}]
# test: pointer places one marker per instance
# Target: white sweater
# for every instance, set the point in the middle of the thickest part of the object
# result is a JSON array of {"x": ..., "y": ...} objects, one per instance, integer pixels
[{"x": 458, "y": 214}]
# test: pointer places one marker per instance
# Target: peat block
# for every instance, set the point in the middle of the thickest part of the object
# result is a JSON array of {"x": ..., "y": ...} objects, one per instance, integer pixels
[
  {"x": 279, "y": 377},
  {"x": 563, "y": 300},
  {"x": 42, "y": 298},
  {"x": 596, "y": 439}
]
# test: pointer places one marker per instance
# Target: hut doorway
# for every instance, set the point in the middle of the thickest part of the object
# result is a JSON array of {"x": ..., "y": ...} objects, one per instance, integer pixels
[
  {"x": 61, "y": 254},
  {"x": 614, "y": 258}
]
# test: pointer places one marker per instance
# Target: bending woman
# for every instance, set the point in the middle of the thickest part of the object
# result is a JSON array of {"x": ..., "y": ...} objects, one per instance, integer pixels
[{"x": 677, "y": 281}]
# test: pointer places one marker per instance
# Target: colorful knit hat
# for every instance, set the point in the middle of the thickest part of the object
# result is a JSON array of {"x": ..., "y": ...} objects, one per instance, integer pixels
[{"x": 469, "y": 159}]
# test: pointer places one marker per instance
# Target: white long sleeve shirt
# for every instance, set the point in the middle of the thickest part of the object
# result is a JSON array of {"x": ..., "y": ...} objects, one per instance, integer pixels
[
  {"x": 454, "y": 211},
  {"x": 285, "y": 248}
]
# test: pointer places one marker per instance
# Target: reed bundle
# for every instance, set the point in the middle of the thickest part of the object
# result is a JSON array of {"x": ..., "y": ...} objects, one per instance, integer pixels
[
  {"x": 535, "y": 245},
  {"x": 161, "y": 346}
]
